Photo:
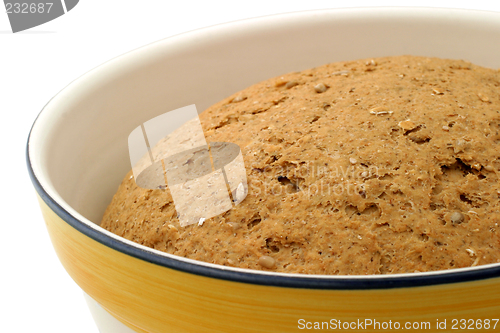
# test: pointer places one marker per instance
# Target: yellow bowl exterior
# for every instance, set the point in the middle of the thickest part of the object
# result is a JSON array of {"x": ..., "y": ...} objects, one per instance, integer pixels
[{"x": 151, "y": 298}]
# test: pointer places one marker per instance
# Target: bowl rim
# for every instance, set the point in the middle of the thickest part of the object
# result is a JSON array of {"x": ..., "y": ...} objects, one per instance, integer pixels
[{"x": 305, "y": 281}]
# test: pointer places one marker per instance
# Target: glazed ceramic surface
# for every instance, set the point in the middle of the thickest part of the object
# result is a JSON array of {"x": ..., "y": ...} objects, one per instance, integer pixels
[{"x": 77, "y": 156}]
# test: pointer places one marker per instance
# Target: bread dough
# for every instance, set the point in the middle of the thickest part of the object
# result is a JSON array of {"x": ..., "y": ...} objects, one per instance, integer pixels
[{"x": 376, "y": 166}]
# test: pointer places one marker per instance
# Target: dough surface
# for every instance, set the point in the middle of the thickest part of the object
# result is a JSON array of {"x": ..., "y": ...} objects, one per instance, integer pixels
[{"x": 376, "y": 166}]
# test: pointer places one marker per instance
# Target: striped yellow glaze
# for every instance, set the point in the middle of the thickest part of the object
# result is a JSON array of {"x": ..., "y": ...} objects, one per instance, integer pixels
[{"x": 151, "y": 298}]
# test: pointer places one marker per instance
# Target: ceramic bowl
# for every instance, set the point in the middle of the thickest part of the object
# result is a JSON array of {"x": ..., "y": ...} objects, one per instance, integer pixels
[{"x": 77, "y": 155}]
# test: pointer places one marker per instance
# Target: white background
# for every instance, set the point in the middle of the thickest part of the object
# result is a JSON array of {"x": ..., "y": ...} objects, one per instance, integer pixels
[{"x": 37, "y": 295}]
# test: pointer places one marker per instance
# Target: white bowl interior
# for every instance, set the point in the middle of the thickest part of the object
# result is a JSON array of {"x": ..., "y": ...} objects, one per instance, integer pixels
[{"x": 78, "y": 146}]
